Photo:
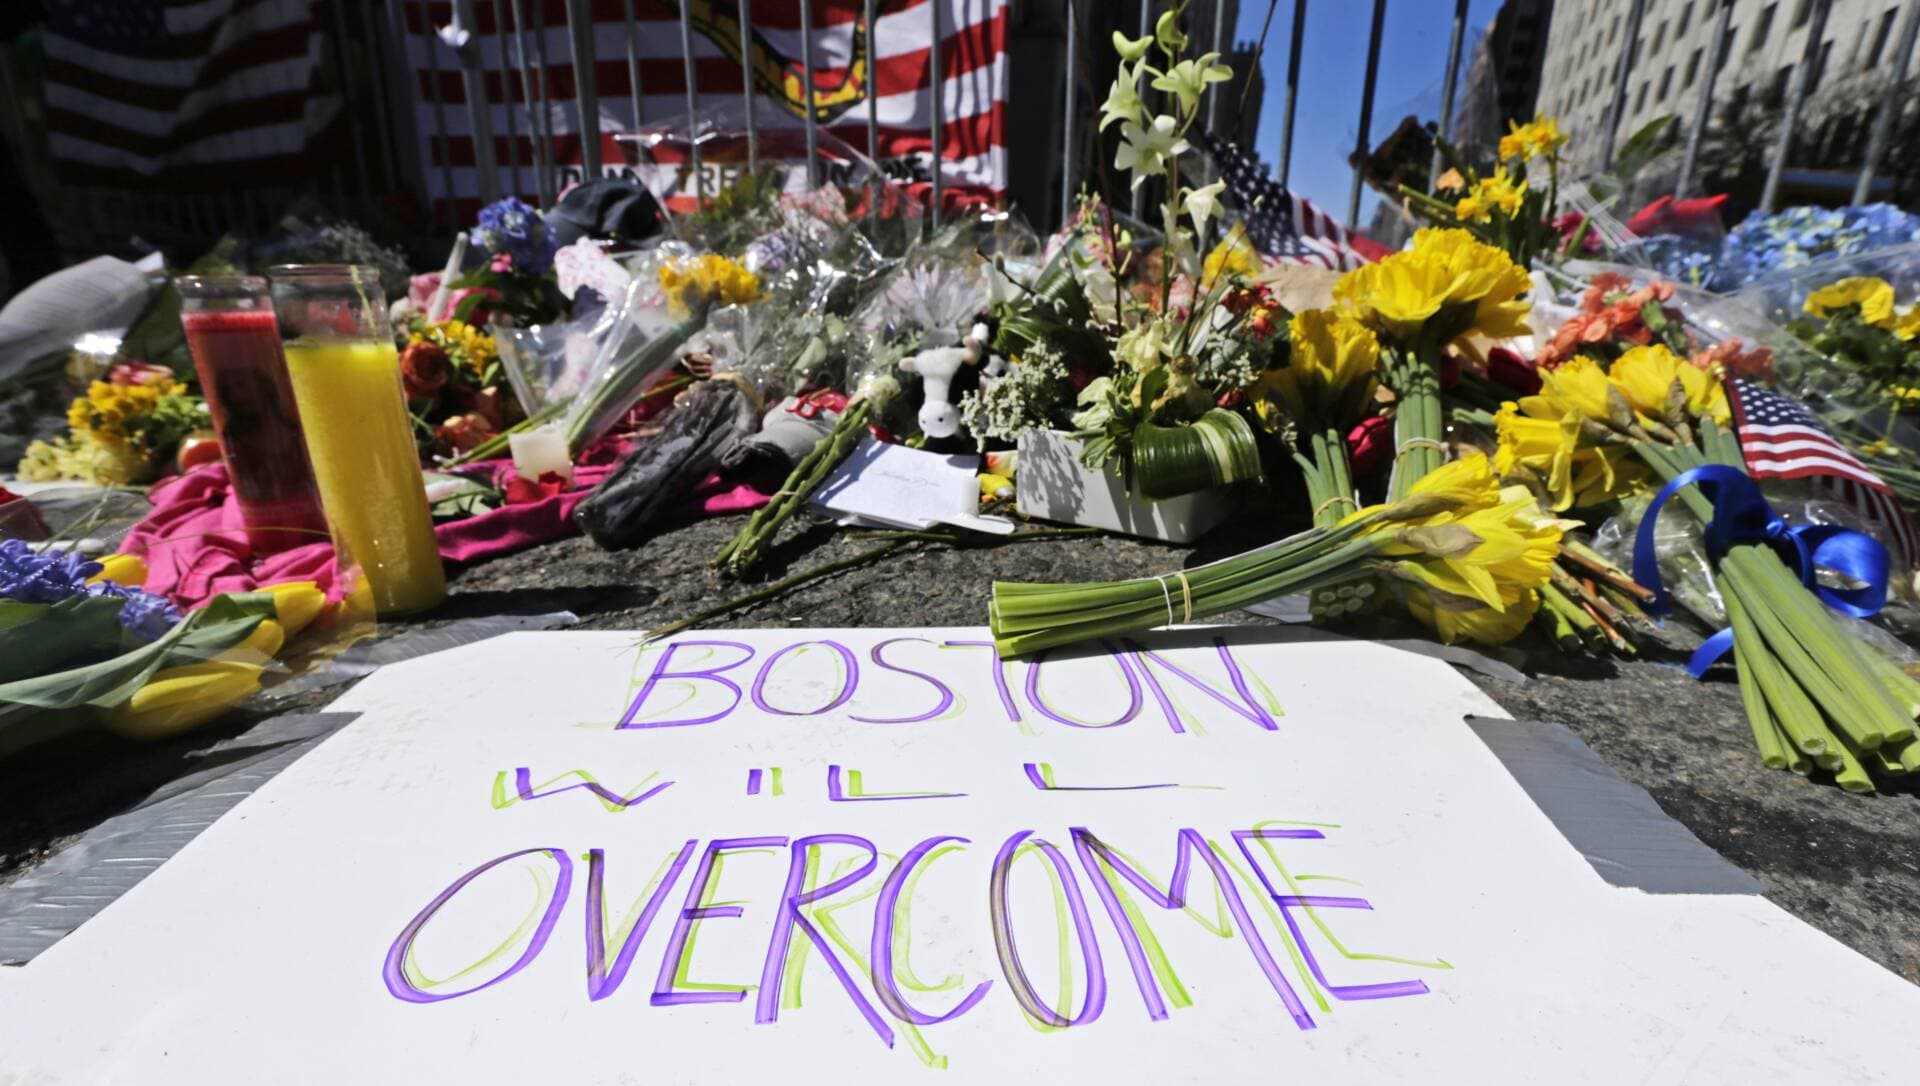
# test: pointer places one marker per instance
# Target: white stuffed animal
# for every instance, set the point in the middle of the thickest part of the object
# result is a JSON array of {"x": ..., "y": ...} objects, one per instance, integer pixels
[{"x": 936, "y": 368}]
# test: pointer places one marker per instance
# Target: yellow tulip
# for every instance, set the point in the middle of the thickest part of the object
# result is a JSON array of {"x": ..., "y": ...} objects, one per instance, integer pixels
[
  {"x": 177, "y": 699},
  {"x": 122, "y": 569},
  {"x": 1646, "y": 375},
  {"x": 296, "y": 603},
  {"x": 1874, "y": 297}
]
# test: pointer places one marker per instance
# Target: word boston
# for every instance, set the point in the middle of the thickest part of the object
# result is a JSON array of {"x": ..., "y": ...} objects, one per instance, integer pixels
[{"x": 1218, "y": 855}]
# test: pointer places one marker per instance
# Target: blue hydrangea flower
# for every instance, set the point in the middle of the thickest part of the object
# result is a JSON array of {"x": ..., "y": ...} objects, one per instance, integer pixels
[
  {"x": 30, "y": 576},
  {"x": 1799, "y": 236},
  {"x": 511, "y": 227}
]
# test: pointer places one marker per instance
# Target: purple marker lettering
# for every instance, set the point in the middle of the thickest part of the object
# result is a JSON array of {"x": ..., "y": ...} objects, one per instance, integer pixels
[
  {"x": 849, "y": 679},
  {"x": 1098, "y": 859},
  {"x": 664, "y": 993},
  {"x": 946, "y": 695},
  {"x": 768, "y": 1007},
  {"x": 601, "y": 981},
  {"x": 880, "y": 964},
  {"x": 660, "y": 672},
  {"x": 1253, "y": 711},
  {"x": 999, "y": 675},
  {"x": 1289, "y": 902},
  {"x": 523, "y": 784},
  {"x": 1126, "y": 671},
  {"x": 1001, "y": 913},
  {"x": 395, "y": 973}
]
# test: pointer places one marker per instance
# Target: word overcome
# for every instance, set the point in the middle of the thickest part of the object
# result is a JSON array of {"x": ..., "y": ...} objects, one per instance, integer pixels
[{"x": 872, "y": 985}]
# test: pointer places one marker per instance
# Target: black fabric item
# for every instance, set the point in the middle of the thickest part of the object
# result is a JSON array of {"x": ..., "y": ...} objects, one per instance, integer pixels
[
  {"x": 605, "y": 207},
  {"x": 629, "y": 505}
]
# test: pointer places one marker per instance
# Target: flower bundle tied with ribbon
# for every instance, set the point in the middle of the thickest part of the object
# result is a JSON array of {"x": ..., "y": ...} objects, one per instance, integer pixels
[{"x": 1816, "y": 694}]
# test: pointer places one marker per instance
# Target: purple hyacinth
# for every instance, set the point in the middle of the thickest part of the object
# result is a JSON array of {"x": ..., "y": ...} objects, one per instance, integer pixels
[
  {"x": 510, "y": 226},
  {"x": 30, "y": 576}
]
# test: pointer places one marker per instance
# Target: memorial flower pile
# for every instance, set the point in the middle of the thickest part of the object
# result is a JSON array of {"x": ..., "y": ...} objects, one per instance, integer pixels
[
  {"x": 123, "y": 430},
  {"x": 455, "y": 386},
  {"x": 1854, "y": 322},
  {"x": 1503, "y": 205}
]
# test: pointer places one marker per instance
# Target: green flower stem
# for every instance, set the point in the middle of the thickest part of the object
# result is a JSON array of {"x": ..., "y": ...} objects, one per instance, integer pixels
[
  {"x": 1766, "y": 731},
  {"x": 1583, "y": 624},
  {"x": 749, "y": 546},
  {"x": 1418, "y": 423},
  {"x": 1558, "y": 628},
  {"x": 1783, "y": 700}
]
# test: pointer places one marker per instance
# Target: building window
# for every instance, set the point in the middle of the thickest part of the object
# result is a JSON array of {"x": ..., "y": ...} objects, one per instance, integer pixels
[
  {"x": 1686, "y": 20},
  {"x": 1659, "y": 39},
  {"x": 1800, "y": 13},
  {"x": 1777, "y": 90},
  {"x": 1760, "y": 32},
  {"x": 1880, "y": 35},
  {"x": 1819, "y": 67},
  {"x": 1640, "y": 100},
  {"x": 1726, "y": 46},
  {"x": 1666, "y": 84},
  {"x": 1693, "y": 68}
]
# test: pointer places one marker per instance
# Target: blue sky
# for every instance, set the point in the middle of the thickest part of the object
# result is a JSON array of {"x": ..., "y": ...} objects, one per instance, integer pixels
[{"x": 1333, "y": 62}]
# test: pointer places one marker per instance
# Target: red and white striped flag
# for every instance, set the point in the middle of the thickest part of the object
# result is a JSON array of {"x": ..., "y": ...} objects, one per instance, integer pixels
[
  {"x": 186, "y": 94},
  {"x": 973, "y": 84},
  {"x": 1779, "y": 439}
]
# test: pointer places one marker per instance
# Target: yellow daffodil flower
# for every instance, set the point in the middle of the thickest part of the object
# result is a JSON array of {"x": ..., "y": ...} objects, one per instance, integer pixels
[
  {"x": 1537, "y": 138},
  {"x": 1577, "y": 385},
  {"x": 1497, "y": 192},
  {"x": 1453, "y": 623},
  {"x": 1330, "y": 377},
  {"x": 1549, "y": 445},
  {"x": 1449, "y": 280},
  {"x": 1907, "y": 325},
  {"x": 1646, "y": 375},
  {"x": 706, "y": 279},
  {"x": 1234, "y": 254},
  {"x": 1874, "y": 297}
]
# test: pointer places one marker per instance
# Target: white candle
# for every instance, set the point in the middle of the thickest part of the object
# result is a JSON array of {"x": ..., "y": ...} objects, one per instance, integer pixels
[{"x": 540, "y": 450}]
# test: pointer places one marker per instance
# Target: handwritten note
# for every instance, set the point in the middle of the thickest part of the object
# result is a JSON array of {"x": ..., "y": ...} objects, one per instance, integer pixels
[
  {"x": 886, "y": 855},
  {"x": 901, "y": 487}
]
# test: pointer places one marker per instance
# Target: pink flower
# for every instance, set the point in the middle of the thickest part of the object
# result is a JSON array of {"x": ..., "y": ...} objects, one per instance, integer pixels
[
  {"x": 502, "y": 263},
  {"x": 420, "y": 289}
]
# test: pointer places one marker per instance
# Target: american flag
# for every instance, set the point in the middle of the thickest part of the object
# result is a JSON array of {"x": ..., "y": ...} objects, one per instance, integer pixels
[
  {"x": 973, "y": 83},
  {"x": 1780, "y": 439},
  {"x": 1281, "y": 224},
  {"x": 184, "y": 93}
]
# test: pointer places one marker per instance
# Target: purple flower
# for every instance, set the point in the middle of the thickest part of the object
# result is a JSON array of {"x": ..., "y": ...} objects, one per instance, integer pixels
[
  {"x": 144, "y": 615},
  {"x": 511, "y": 227},
  {"x": 30, "y": 576}
]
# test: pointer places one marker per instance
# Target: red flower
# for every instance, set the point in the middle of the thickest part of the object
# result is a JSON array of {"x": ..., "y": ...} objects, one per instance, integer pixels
[
  {"x": 137, "y": 373},
  {"x": 1450, "y": 371},
  {"x": 1670, "y": 216},
  {"x": 424, "y": 370},
  {"x": 1512, "y": 371},
  {"x": 1370, "y": 444},
  {"x": 520, "y": 489}
]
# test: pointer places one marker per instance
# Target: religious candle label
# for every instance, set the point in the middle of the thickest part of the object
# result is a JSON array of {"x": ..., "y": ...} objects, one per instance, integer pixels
[{"x": 824, "y": 855}]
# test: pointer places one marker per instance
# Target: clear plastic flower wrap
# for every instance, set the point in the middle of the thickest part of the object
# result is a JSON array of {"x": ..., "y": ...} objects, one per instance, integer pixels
[{"x": 642, "y": 342}]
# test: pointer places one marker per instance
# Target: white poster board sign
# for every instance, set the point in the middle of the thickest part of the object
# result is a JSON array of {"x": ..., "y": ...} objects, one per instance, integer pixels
[{"x": 873, "y": 855}]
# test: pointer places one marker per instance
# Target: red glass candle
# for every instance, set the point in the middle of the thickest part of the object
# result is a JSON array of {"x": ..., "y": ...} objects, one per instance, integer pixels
[{"x": 235, "y": 340}]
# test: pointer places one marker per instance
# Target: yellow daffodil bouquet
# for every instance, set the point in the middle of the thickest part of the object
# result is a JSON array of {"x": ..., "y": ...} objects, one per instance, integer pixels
[
  {"x": 1502, "y": 206},
  {"x": 1855, "y": 322},
  {"x": 1817, "y": 696}
]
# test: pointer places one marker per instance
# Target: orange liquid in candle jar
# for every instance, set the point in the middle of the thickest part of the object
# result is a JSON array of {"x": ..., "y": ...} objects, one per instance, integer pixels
[{"x": 360, "y": 440}]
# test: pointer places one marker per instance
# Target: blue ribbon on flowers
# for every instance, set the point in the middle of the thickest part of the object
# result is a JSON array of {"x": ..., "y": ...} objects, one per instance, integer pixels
[{"x": 1741, "y": 514}]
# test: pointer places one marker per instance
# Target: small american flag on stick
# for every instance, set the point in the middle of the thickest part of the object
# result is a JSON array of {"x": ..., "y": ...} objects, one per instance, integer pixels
[{"x": 1782, "y": 440}]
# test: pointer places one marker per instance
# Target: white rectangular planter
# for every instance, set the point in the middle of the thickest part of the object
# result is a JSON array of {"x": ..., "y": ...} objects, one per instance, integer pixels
[{"x": 1052, "y": 484}]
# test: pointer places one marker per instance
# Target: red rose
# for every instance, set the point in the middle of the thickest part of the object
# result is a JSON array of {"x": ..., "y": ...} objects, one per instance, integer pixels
[
  {"x": 1512, "y": 371},
  {"x": 424, "y": 370},
  {"x": 486, "y": 402},
  {"x": 1370, "y": 444}
]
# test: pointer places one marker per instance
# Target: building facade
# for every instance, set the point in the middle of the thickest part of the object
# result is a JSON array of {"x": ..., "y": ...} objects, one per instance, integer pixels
[{"x": 1765, "y": 39}]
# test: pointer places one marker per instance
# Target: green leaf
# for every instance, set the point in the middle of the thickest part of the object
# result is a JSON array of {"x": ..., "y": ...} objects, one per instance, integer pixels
[
  {"x": 1640, "y": 147},
  {"x": 616, "y": 391},
  {"x": 205, "y": 633},
  {"x": 1217, "y": 449},
  {"x": 38, "y": 638}
]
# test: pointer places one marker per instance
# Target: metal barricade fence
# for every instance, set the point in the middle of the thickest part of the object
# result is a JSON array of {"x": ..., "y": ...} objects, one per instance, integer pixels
[{"x": 393, "y": 109}]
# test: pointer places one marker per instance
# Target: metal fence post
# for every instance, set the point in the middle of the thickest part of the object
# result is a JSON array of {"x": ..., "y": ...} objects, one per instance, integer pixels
[
  {"x": 382, "y": 101},
  {"x": 506, "y": 96},
  {"x": 473, "y": 80},
  {"x": 1623, "y": 70},
  {"x": 1445, "y": 131},
  {"x": 541, "y": 121},
  {"x": 806, "y": 85},
  {"x": 633, "y": 66},
  {"x": 586, "y": 94},
  {"x": 1716, "y": 55},
  {"x": 439, "y": 114},
  {"x": 1796, "y": 96},
  {"x": 934, "y": 93},
  {"x": 693, "y": 123},
  {"x": 1889, "y": 103},
  {"x": 746, "y": 83},
  {"x": 1297, "y": 33},
  {"x": 350, "y": 89},
  {"x": 1361, "y": 144},
  {"x": 1066, "y": 113}
]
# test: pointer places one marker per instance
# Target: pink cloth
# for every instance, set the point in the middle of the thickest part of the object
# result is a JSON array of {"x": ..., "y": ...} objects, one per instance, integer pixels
[{"x": 196, "y": 545}]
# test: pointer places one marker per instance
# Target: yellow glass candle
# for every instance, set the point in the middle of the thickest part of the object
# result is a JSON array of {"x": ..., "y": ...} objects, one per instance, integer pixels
[{"x": 346, "y": 382}]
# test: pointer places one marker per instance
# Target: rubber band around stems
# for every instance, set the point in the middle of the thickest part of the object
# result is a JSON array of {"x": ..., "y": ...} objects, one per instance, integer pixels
[
  {"x": 1419, "y": 443},
  {"x": 1186, "y": 597},
  {"x": 1321, "y": 508}
]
